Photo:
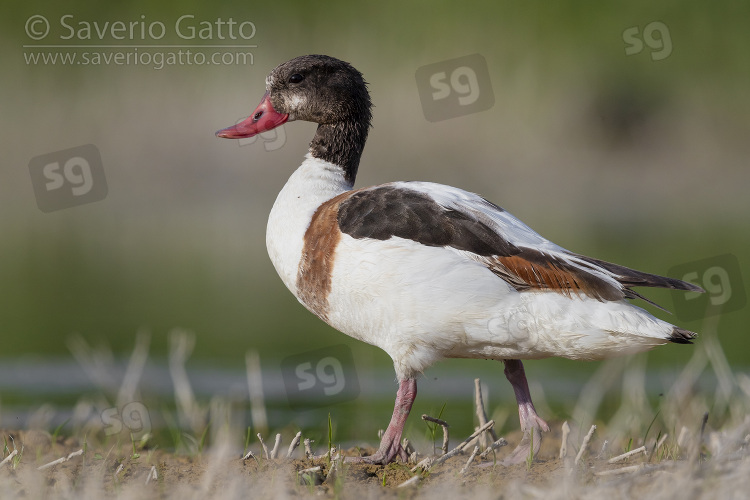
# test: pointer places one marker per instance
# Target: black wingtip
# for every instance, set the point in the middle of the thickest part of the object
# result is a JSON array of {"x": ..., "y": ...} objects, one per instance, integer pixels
[
  {"x": 682, "y": 336},
  {"x": 691, "y": 287},
  {"x": 630, "y": 277}
]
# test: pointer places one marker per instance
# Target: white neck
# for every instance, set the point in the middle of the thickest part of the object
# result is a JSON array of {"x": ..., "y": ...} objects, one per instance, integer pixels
[{"x": 314, "y": 182}]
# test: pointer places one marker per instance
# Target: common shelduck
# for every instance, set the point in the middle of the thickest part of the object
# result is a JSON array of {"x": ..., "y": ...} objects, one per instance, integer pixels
[{"x": 426, "y": 271}]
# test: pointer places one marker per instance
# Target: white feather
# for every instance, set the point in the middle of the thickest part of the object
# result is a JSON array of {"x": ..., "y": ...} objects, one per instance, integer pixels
[
  {"x": 421, "y": 304},
  {"x": 314, "y": 182}
]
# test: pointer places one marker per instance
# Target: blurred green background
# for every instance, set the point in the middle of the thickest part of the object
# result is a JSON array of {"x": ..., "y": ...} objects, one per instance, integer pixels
[{"x": 621, "y": 157}]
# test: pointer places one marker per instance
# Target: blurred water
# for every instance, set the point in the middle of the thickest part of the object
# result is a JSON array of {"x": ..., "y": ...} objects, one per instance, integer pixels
[{"x": 63, "y": 383}]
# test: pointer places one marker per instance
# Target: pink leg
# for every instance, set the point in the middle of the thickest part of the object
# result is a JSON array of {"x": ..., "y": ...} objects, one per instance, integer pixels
[
  {"x": 531, "y": 424},
  {"x": 390, "y": 445}
]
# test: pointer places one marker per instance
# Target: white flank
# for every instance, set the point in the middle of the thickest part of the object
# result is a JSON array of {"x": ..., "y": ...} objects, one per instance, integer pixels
[{"x": 421, "y": 304}]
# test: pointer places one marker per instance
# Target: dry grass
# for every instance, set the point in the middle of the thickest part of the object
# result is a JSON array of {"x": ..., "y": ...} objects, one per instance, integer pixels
[{"x": 695, "y": 445}]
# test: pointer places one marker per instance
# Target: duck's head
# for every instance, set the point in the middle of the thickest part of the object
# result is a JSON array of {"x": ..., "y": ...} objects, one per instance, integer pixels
[{"x": 315, "y": 88}]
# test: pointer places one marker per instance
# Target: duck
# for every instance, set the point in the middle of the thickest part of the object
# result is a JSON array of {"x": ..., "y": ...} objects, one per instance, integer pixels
[{"x": 426, "y": 271}]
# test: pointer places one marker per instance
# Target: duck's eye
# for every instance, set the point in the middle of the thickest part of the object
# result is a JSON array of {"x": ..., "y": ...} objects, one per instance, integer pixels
[{"x": 296, "y": 78}]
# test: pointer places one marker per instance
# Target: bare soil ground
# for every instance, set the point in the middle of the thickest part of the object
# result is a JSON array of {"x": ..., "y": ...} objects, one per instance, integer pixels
[
  {"x": 116, "y": 471},
  {"x": 686, "y": 454}
]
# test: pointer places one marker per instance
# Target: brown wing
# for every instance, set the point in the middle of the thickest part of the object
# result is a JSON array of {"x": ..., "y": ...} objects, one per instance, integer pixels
[
  {"x": 387, "y": 210},
  {"x": 571, "y": 273}
]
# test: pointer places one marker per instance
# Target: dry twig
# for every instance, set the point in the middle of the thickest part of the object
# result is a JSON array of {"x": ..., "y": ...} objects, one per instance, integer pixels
[
  {"x": 497, "y": 444},
  {"x": 60, "y": 460},
  {"x": 152, "y": 474},
  {"x": 444, "y": 425},
  {"x": 621, "y": 470},
  {"x": 481, "y": 414},
  {"x": 293, "y": 445},
  {"x": 629, "y": 454},
  {"x": 660, "y": 442},
  {"x": 265, "y": 448},
  {"x": 429, "y": 462},
  {"x": 564, "y": 444},
  {"x": 312, "y": 476},
  {"x": 9, "y": 457},
  {"x": 604, "y": 449},
  {"x": 470, "y": 460},
  {"x": 276, "y": 446},
  {"x": 585, "y": 444},
  {"x": 684, "y": 437},
  {"x": 410, "y": 482}
]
